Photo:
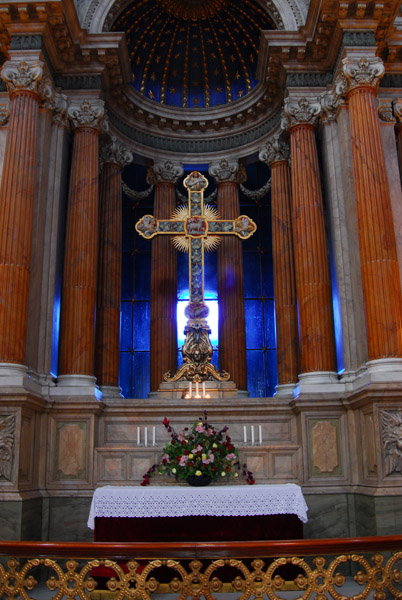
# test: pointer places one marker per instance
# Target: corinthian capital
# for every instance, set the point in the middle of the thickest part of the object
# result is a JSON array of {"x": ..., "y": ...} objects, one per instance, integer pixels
[
  {"x": 397, "y": 107},
  {"x": 226, "y": 170},
  {"x": 86, "y": 113},
  {"x": 274, "y": 151},
  {"x": 300, "y": 111},
  {"x": 22, "y": 75},
  {"x": 164, "y": 172},
  {"x": 363, "y": 72},
  {"x": 116, "y": 153}
]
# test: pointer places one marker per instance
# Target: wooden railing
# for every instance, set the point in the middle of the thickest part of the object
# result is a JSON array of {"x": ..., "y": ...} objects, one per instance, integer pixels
[{"x": 337, "y": 568}]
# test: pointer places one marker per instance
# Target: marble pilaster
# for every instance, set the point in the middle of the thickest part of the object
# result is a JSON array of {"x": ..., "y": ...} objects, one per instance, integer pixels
[
  {"x": 114, "y": 157},
  {"x": 379, "y": 262},
  {"x": 163, "y": 333},
  {"x": 276, "y": 155},
  {"x": 310, "y": 245},
  {"x": 17, "y": 198},
  {"x": 77, "y": 336},
  {"x": 232, "y": 328}
]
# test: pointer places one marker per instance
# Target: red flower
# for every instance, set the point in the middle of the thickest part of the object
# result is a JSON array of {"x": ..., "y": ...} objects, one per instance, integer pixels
[
  {"x": 146, "y": 481},
  {"x": 251, "y": 481},
  {"x": 228, "y": 469},
  {"x": 166, "y": 421},
  {"x": 186, "y": 452},
  {"x": 230, "y": 447},
  {"x": 191, "y": 464},
  {"x": 183, "y": 442},
  {"x": 213, "y": 469}
]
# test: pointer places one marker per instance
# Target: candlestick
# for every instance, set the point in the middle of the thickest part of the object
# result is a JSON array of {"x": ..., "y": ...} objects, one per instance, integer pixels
[
  {"x": 197, "y": 389},
  {"x": 153, "y": 435},
  {"x": 145, "y": 436},
  {"x": 138, "y": 436},
  {"x": 252, "y": 434},
  {"x": 245, "y": 434},
  {"x": 203, "y": 389},
  {"x": 260, "y": 433},
  {"x": 190, "y": 389}
]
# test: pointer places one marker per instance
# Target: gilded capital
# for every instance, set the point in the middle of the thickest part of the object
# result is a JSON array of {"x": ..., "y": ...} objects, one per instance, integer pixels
[
  {"x": 86, "y": 113},
  {"x": 115, "y": 153},
  {"x": 397, "y": 109},
  {"x": 225, "y": 170},
  {"x": 164, "y": 172},
  {"x": 300, "y": 111},
  {"x": 363, "y": 72},
  {"x": 275, "y": 150},
  {"x": 22, "y": 76}
]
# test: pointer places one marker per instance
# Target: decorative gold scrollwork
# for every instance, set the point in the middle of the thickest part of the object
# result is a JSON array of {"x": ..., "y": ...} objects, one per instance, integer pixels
[{"x": 140, "y": 580}]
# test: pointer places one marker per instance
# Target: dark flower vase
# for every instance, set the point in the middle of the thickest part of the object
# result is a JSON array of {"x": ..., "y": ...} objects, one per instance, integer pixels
[{"x": 199, "y": 480}]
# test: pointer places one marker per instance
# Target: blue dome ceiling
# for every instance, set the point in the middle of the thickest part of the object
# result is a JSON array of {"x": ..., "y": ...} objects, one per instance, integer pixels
[{"x": 193, "y": 53}]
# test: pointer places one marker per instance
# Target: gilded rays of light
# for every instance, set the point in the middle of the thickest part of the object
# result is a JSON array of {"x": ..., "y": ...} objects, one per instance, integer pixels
[{"x": 181, "y": 242}]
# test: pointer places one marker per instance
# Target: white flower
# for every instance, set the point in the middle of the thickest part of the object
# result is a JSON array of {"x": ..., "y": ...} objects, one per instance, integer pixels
[
  {"x": 223, "y": 474},
  {"x": 173, "y": 470}
]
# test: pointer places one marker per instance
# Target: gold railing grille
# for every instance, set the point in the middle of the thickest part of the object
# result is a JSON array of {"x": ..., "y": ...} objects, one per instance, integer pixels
[{"x": 317, "y": 577}]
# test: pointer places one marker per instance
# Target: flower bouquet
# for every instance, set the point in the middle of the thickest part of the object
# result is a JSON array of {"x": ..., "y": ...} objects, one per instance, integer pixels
[{"x": 199, "y": 455}]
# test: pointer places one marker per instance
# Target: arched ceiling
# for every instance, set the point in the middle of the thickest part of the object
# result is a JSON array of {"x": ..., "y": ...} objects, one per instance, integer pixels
[{"x": 193, "y": 53}]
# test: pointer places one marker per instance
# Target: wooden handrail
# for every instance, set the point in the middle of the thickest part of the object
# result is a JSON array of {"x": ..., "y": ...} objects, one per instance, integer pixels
[{"x": 189, "y": 550}]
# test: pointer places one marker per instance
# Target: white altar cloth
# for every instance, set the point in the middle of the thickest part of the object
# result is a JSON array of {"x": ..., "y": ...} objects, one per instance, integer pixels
[{"x": 181, "y": 501}]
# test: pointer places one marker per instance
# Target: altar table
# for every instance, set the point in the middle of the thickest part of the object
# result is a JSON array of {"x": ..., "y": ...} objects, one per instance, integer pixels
[{"x": 213, "y": 513}]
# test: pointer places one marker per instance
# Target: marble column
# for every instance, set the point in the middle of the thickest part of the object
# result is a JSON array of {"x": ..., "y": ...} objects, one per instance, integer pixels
[
  {"x": 317, "y": 340},
  {"x": 232, "y": 328},
  {"x": 276, "y": 155},
  {"x": 114, "y": 157},
  {"x": 77, "y": 335},
  {"x": 17, "y": 198},
  {"x": 378, "y": 255},
  {"x": 163, "y": 343}
]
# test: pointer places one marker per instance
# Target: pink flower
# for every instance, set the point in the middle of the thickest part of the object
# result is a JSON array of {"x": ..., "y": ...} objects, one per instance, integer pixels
[
  {"x": 183, "y": 460},
  {"x": 199, "y": 448},
  {"x": 231, "y": 456},
  {"x": 211, "y": 458},
  {"x": 181, "y": 437},
  {"x": 200, "y": 428},
  {"x": 165, "y": 458}
]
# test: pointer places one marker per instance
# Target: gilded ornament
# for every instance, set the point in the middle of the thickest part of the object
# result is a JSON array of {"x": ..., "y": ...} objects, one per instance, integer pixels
[
  {"x": 391, "y": 423},
  {"x": 164, "y": 172},
  {"x": 7, "y": 434},
  {"x": 21, "y": 75},
  {"x": 365, "y": 72},
  {"x": 275, "y": 150},
  {"x": 87, "y": 113},
  {"x": 226, "y": 170},
  {"x": 300, "y": 111},
  {"x": 115, "y": 153}
]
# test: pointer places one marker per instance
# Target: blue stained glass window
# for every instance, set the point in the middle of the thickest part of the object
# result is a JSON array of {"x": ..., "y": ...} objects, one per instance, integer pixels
[{"x": 136, "y": 282}]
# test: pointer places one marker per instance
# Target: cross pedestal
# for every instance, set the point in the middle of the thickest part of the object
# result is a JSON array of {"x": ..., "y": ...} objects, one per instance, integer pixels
[{"x": 196, "y": 228}]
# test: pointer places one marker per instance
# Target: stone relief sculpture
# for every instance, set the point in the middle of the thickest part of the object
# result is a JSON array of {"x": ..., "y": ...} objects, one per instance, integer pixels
[
  {"x": 7, "y": 426},
  {"x": 391, "y": 423}
]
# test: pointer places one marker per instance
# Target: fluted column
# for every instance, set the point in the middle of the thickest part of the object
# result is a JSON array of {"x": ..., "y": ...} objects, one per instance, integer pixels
[
  {"x": 310, "y": 245},
  {"x": 77, "y": 335},
  {"x": 276, "y": 155},
  {"x": 114, "y": 157},
  {"x": 163, "y": 342},
  {"x": 17, "y": 196},
  {"x": 378, "y": 256},
  {"x": 232, "y": 328}
]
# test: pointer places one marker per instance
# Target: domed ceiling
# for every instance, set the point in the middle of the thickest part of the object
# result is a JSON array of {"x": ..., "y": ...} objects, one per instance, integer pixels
[{"x": 193, "y": 53}]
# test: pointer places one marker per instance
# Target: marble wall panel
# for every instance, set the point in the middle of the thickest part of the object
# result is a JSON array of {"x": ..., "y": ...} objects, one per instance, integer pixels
[
  {"x": 284, "y": 464},
  {"x": 139, "y": 463},
  {"x": 369, "y": 445},
  {"x": 27, "y": 454},
  {"x": 326, "y": 448},
  {"x": 70, "y": 459},
  {"x": 68, "y": 519},
  {"x": 257, "y": 463},
  {"x": 327, "y": 516},
  {"x": 388, "y": 515}
]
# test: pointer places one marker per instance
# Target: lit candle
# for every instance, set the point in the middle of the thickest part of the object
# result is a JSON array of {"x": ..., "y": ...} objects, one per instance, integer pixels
[
  {"x": 203, "y": 389},
  {"x": 260, "y": 433},
  {"x": 197, "y": 389},
  {"x": 153, "y": 436},
  {"x": 252, "y": 434},
  {"x": 145, "y": 436},
  {"x": 190, "y": 389},
  {"x": 245, "y": 434},
  {"x": 138, "y": 436}
]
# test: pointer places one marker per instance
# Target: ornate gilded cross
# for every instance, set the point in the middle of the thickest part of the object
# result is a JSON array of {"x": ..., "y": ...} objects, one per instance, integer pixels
[{"x": 196, "y": 228}]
